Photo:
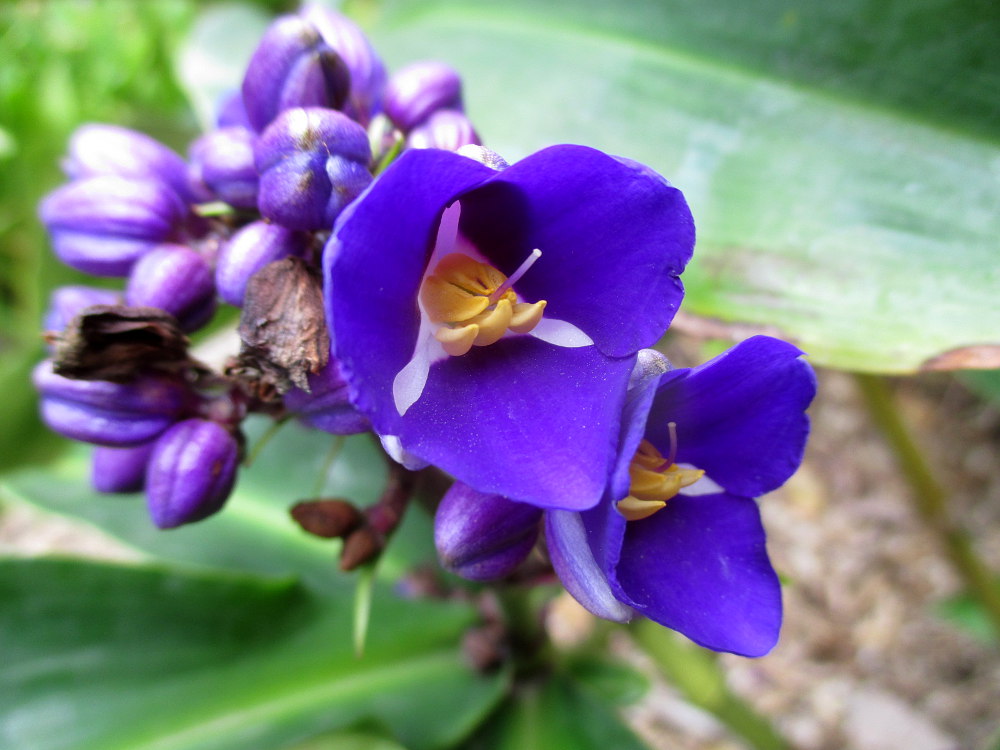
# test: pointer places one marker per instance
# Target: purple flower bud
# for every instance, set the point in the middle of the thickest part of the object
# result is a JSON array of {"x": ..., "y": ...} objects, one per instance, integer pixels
[
  {"x": 368, "y": 74},
  {"x": 120, "y": 469},
  {"x": 232, "y": 113},
  {"x": 420, "y": 89},
  {"x": 102, "y": 225},
  {"x": 293, "y": 67},
  {"x": 312, "y": 162},
  {"x": 327, "y": 406},
  {"x": 249, "y": 250},
  {"x": 222, "y": 166},
  {"x": 448, "y": 129},
  {"x": 67, "y": 302},
  {"x": 117, "y": 414},
  {"x": 177, "y": 279},
  {"x": 482, "y": 537},
  {"x": 191, "y": 472},
  {"x": 99, "y": 150}
]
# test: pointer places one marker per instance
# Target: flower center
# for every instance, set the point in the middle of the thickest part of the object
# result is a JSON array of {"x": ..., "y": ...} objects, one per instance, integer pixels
[
  {"x": 474, "y": 304},
  {"x": 655, "y": 479}
]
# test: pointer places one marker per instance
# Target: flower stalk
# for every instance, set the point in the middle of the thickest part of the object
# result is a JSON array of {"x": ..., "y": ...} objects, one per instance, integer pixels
[{"x": 929, "y": 497}]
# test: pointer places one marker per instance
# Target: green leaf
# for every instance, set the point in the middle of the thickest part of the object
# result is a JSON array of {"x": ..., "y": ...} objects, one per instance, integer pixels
[
  {"x": 254, "y": 532},
  {"x": 554, "y": 713},
  {"x": 841, "y": 160},
  {"x": 968, "y": 613},
  {"x": 610, "y": 681},
  {"x": 106, "y": 657},
  {"x": 986, "y": 383}
]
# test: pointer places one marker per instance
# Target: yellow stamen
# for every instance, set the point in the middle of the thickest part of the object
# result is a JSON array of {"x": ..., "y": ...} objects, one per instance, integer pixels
[
  {"x": 457, "y": 341},
  {"x": 474, "y": 303},
  {"x": 654, "y": 480}
]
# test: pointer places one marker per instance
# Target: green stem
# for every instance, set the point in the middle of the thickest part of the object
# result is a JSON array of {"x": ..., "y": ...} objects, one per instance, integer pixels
[
  {"x": 697, "y": 674},
  {"x": 929, "y": 497},
  {"x": 264, "y": 439}
]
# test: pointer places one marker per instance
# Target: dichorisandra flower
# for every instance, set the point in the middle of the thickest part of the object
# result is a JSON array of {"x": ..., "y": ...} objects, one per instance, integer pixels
[
  {"x": 468, "y": 350},
  {"x": 420, "y": 89},
  {"x": 696, "y": 447}
]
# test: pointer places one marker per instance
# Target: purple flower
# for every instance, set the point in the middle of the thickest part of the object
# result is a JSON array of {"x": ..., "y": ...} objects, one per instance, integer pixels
[
  {"x": 109, "y": 150},
  {"x": 222, "y": 166},
  {"x": 447, "y": 128},
  {"x": 696, "y": 446},
  {"x": 326, "y": 406},
  {"x": 103, "y": 225},
  {"x": 419, "y": 90},
  {"x": 249, "y": 250},
  {"x": 483, "y": 537},
  {"x": 292, "y": 67},
  {"x": 67, "y": 302},
  {"x": 367, "y": 71},
  {"x": 312, "y": 163},
  {"x": 120, "y": 469},
  {"x": 509, "y": 377},
  {"x": 191, "y": 472},
  {"x": 116, "y": 414},
  {"x": 177, "y": 279}
]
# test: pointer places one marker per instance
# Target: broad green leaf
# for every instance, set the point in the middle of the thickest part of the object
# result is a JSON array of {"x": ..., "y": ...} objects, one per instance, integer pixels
[
  {"x": 554, "y": 712},
  {"x": 842, "y": 163},
  {"x": 968, "y": 613},
  {"x": 254, "y": 532},
  {"x": 610, "y": 681},
  {"x": 107, "y": 657}
]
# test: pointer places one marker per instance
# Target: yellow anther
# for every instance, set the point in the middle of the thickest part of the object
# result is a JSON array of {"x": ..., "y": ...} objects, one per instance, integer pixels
[
  {"x": 457, "y": 341},
  {"x": 653, "y": 481},
  {"x": 635, "y": 510},
  {"x": 447, "y": 303},
  {"x": 526, "y": 316},
  {"x": 493, "y": 323}
]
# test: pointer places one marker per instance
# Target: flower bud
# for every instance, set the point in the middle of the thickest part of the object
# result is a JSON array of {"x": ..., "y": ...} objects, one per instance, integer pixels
[
  {"x": 177, "y": 279},
  {"x": 232, "y": 112},
  {"x": 249, "y": 250},
  {"x": 368, "y": 74},
  {"x": 105, "y": 413},
  {"x": 327, "y": 406},
  {"x": 120, "y": 469},
  {"x": 482, "y": 537},
  {"x": 420, "y": 89},
  {"x": 222, "y": 166},
  {"x": 67, "y": 302},
  {"x": 312, "y": 162},
  {"x": 109, "y": 150},
  {"x": 293, "y": 67},
  {"x": 102, "y": 225},
  {"x": 191, "y": 472},
  {"x": 446, "y": 129}
]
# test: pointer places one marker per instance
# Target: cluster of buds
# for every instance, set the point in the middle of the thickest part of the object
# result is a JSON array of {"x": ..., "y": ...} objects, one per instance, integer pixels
[{"x": 243, "y": 221}]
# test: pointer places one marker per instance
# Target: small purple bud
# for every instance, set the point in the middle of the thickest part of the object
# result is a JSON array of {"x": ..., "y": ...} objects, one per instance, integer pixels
[
  {"x": 293, "y": 67},
  {"x": 232, "y": 113},
  {"x": 483, "y": 537},
  {"x": 103, "y": 225},
  {"x": 312, "y": 163},
  {"x": 327, "y": 406},
  {"x": 120, "y": 469},
  {"x": 67, "y": 302},
  {"x": 249, "y": 250},
  {"x": 105, "y": 413},
  {"x": 447, "y": 129},
  {"x": 420, "y": 89},
  {"x": 368, "y": 74},
  {"x": 191, "y": 472},
  {"x": 222, "y": 166},
  {"x": 177, "y": 279},
  {"x": 100, "y": 150}
]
